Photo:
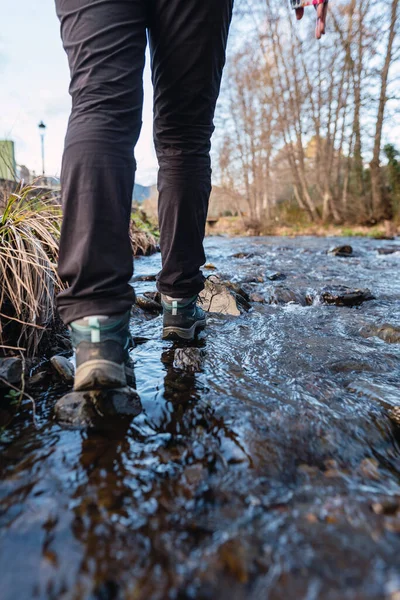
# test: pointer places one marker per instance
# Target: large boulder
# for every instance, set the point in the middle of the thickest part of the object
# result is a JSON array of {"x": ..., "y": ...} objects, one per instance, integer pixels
[{"x": 218, "y": 298}]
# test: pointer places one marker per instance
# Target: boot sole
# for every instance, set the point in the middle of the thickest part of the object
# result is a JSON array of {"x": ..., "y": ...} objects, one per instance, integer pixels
[
  {"x": 180, "y": 333},
  {"x": 99, "y": 375}
]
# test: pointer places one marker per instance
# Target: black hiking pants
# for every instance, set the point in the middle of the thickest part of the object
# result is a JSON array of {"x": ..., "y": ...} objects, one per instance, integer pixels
[{"x": 105, "y": 41}]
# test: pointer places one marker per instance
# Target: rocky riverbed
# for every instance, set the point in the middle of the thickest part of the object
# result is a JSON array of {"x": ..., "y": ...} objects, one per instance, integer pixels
[{"x": 260, "y": 462}]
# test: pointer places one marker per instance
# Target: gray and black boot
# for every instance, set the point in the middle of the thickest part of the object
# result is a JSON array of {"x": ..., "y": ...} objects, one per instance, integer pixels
[
  {"x": 101, "y": 347},
  {"x": 182, "y": 318}
]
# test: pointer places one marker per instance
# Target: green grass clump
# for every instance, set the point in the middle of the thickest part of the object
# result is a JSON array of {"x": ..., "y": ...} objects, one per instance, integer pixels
[{"x": 348, "y": 232}]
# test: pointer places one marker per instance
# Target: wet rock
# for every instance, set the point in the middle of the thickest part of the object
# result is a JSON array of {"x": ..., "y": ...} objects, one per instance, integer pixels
[
  {"x": 150, "y": 302},
  {"x": 88, "y": 409},
  {"x": 37, "y": 379},
  {"x": 344, "y": 251},
  {"x": 189, "y": 359},
  {"x": 283, "y": 295},
  {"x": 386, "y": 332},
  {"x": 155, "y": 296},
  {"x": 64, "y": 368},
  {"x": 387, "y": 506},
  {"x": 350, "y": 365},
  {"x": 394, "y": 415},
  {"x": 74, "y": 410},
  {"x": 369, "y": 468},
  {"x": 342, "y": 295},
  {"x": 385, "y": 395},
  {"x": 389, "y": 250},
  {"x": 256, "y": 297},
  {"x": 251, "y": 279},
  {"x": 275, "y": 276},
  {"x": 217, "y": 298},
  {"x": 144, "y": 278},
  {"x": 382, "y": 236},
  {"x": 241, "y": 295},
  {"x": 243, "y": 255},
  {"x": 10, "y": 370}
]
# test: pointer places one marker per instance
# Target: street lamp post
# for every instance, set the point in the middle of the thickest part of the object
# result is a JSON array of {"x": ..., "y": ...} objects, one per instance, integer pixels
[{"x": 42, "y": 131}]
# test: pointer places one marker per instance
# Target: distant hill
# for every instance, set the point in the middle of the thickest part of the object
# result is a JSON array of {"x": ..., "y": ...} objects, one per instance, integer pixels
[{"x": 142, "y": 192}]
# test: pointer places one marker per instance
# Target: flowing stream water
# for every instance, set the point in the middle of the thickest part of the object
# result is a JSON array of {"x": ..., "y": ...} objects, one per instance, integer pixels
[{"x": 268, "y": 470}]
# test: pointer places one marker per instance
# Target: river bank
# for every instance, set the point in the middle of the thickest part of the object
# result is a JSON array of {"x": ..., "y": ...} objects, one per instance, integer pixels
[
  {"x": 236, "y": 227},
  {"x": 264, "y": 462}
]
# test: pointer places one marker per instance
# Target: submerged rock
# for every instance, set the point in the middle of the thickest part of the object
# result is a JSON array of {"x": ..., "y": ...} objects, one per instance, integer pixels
[
  {"x": 64, "y": 368},
  {"x": 283, "y": 295},
  {"x": 275, "y": 276},
  {"x": 350, "y": 365},
  {"x": 144, "y": 278},
  {"x": 345, "y": 250},
  {"x": 88, "y": 409},
  {"x": 10, "y": 370},
  {"x": 243, "y": 255},
  {"x": 386, "y": 395},
  {"x": 342, "y": 295},
  {"x": 389, "y": 250},
  {"x": 256, "y": 297},
  {"x": 189, "y": 359},
  {"x": 386, "y": 332}
]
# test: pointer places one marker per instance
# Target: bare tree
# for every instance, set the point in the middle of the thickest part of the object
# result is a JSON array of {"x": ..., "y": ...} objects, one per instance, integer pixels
[
  {"x": 300, "y": 116},
  {"x": 380, "y": 202}
]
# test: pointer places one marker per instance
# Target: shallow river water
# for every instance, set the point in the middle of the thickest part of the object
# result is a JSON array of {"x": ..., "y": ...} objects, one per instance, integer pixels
[{"x": 270, "y": 471}]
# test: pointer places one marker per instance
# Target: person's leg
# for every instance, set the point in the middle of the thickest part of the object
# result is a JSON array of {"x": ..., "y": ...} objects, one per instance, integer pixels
[
  {"x": 105, "y": 41},
  {"x": 188, "y": 41}
]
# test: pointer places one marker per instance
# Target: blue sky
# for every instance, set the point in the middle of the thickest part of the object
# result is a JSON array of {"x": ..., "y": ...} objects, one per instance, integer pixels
[{"x": 34, "y": 79}]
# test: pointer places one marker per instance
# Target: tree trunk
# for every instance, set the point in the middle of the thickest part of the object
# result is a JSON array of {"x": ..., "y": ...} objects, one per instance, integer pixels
[{"x": 381, "y": 204}]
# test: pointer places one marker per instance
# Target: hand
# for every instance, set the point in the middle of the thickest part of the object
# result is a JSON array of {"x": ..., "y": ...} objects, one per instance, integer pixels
[{"x": 322, "y": 11}]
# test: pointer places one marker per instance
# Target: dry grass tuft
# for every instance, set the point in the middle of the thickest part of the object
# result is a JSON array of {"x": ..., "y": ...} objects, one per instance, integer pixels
[
  {"x": 29, "y": 233},
  {"x": 143, "y": 243}
]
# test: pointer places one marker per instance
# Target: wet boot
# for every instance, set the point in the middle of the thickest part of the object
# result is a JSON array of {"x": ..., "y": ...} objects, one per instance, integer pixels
[
  {"x": 182, "y": 318},
  {"x": 101, "y": 346}
]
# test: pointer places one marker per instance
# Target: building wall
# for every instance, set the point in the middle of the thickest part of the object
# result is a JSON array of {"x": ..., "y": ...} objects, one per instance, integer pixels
[{"x": 8, "y": 166}]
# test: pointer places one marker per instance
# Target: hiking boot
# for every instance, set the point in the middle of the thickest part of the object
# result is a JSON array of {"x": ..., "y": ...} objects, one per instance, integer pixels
[
  {"x": 101, "y": 347},
  {"x": 182, "y": 318}
]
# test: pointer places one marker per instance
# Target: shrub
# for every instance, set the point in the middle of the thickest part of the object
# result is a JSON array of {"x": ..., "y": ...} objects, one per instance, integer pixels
[{"x": 143, "y": 234}]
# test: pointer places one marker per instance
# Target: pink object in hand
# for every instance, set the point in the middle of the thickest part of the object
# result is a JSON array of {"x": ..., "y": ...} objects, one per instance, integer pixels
[{"x": 301, "y": 3}]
